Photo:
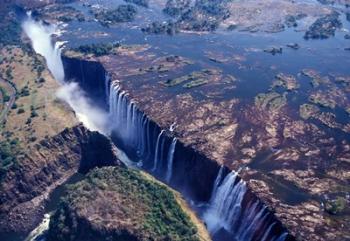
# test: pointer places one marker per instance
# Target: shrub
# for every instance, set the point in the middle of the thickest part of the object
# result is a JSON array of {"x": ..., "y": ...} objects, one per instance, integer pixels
[
  {"x": 14, "y": 106},
  {"x": 20, "y": 111}
]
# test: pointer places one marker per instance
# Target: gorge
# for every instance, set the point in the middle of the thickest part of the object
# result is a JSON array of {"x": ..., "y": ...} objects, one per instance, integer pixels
[
  {"x": 174, "y": 120},
  {"x": 233, "y": 212}
]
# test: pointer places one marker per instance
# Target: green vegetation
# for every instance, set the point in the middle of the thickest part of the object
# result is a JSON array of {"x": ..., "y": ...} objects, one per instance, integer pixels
[
  {"x": 98, "y": 49},
  {"x": 123, "y": 13},
  {"x": 196, "y": 78},
  {"x": 272, "y": 101},
  {"x": 141, "y": 208},
  {"x": 195, "y": 83},
  {"x": 65, "y": 19},
  {"x": 14, "y": 106},
  {"x": 168, "y": 27},
  {"x": 24, "y": 91},
  {"x": 33, "y": 112},
  {"x": 307, "y": 111},
  {"x": 9, "y": 149},
  {"x": 175, "y": 8},
  {"x": 336, "y": 206},
  {"x": 20, "y": 111},
  {"x": 205, "y": 15},
  {"x": 10, "y": 31},
  {"x": 4, "y": 93}
]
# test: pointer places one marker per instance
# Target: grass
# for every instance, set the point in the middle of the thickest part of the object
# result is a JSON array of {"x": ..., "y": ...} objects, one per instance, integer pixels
[
  {"x": 9, "y": 150},
  {"x": 147, "y": 209},
  {"x": 36, "y": 113},
  {"x": 194, "y": 79}
]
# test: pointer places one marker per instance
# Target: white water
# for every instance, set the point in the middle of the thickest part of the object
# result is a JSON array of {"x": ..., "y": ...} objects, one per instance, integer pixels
[
  {"x": 156, "y": 155},
  {"x": 134, "y": 127},
  {"x": 169, "y": 172},
  {"x": 225, "y": 211},
  {"x": 225, "y": 205},
  {"x": 92, "y": 117},
  {"x": 130, "y": 125},
  {"x": 40, "y": 35},
  {"x": 38, "y": 231}
]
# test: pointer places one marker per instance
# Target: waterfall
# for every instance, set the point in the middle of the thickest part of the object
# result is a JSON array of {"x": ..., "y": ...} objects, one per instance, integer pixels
[
  {"x": 38, "y": 234},
  {"x": 129, "y": 124},
  {"x": 225, "y": 206},
  {"x": 230, "y": 209},
  {"x": 134, "y": 129},
  {"x": 156, "y": 153},
  {"x": 107, "y": 80},
  {"x": 267, "y": 232},
  {"x": 40, "y": 36},
  {"x": 170, "y": 160},
  {"x": 226, "y": 211}
]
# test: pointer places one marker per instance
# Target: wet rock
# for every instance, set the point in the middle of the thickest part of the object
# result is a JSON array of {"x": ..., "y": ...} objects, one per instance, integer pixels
[
  {"x": 271, "y": 101},
  {"x": 316, "y": 79},
  {"x": 293, "y": 46},
  {"x": 324, "y": 27},
  {"x": 326, "y": 1},
  {"x": 311, "y": 73},
  {"x": 273, "y": 50},
  {"x": 143, "y": 3},
  {"x": 285, "y": 81},
  {"x": 232, "y": 27},
  {"x": 323, "y": 100},
  {"x": 329, "y": 119},
  {"x": 306, "y": 111}
]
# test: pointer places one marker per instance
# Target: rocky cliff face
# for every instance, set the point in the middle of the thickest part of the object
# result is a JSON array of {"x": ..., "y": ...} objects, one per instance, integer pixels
[
  {"x": 91, "y": 76},
  {"x": 50, "y": 163},
  {"x": 194, "y": 172}
]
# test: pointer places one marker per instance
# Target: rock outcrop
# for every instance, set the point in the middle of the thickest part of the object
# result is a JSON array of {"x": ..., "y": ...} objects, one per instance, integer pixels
[{"x": 49, "y": 164}]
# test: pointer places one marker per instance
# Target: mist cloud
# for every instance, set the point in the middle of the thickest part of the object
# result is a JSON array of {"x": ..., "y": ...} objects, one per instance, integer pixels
[
  {"x": 40, "y": 35},
  {"x": 92, "y": 117}
]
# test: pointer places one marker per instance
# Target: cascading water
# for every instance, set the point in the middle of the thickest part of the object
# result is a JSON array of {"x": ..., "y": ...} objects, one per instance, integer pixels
[
  {"x": 226, "y": 211},
  {"x": 156, "y": 155},
  {"x": 40, "y": 36},
  {"x": 127, "y": 122},
  {"x": 170, "y": 160},
  {"x": 225, "y": 203},
  {"x": 135, "y": 130}
]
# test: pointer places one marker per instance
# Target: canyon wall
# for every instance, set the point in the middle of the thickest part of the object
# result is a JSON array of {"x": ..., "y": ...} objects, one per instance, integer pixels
[
  {"x": 45, "y": 166},
  {"x": 196, "y": 176},
  {"x": 91, "y": 77}
]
